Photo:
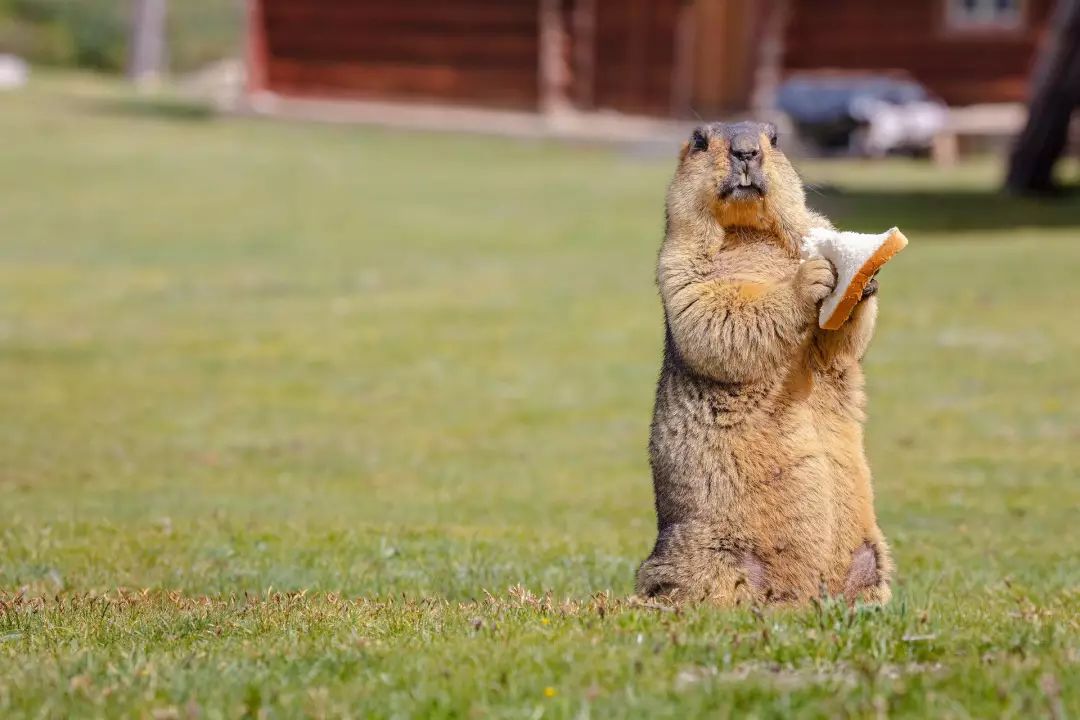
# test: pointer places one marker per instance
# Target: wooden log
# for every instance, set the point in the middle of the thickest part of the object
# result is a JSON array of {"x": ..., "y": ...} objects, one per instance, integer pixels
[
  {"x": 512, "y": 50},
  {"x": 491, "y": 86}
]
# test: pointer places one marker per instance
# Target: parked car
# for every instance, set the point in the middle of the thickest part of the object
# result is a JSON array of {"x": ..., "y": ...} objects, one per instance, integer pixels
[{"x": 862, "y": 114}]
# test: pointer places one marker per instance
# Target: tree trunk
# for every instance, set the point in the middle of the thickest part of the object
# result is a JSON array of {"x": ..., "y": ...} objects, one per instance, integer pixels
[
  {"x": 1055, "y": 93},
  {"x": 146, "y": 59}
]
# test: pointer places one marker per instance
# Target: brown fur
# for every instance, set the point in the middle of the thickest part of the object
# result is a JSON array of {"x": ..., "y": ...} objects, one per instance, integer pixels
[{"x": 762, "y": 486}]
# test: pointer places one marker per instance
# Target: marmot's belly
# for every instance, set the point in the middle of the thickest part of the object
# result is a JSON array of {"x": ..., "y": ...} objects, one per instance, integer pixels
[
  {"x": 761, "y": 491},
  {"x": 741, "y": 469}
]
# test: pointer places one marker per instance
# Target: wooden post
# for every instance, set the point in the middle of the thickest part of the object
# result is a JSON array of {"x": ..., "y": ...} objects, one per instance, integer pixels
[
  {"x": 1055, "y": 94},
  {"x": 255, "y": 50},
  {"x": 554, "y": 74},
  {"x": 146, "y": 50}
]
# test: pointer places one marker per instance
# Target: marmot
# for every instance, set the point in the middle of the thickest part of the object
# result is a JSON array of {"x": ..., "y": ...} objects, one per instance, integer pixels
[{"x": 762, "y": 485}]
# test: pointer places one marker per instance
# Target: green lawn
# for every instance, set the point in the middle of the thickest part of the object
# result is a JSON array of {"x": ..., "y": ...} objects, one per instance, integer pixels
[{"x": 347, "y": 422}]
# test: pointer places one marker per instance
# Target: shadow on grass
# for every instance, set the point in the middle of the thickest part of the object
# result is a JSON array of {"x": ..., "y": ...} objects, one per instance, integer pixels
[
  {"x": 154, "y": 108},
  {"x": 944, "y": 210}
]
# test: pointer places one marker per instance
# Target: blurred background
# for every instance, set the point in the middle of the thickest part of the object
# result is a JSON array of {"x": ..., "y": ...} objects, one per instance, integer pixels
[
  {"x": 357, "y": 296},
  {"x": 928, "y": 77}
]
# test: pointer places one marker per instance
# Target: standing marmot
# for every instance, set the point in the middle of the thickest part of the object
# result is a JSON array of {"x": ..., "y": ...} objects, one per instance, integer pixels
[{"x": 762, "y": 487}]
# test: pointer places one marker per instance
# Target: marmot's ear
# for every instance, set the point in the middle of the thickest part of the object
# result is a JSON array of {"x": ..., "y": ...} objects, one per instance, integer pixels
[
  {"x": 770, "y": 132},
  {"x": 684, "y": 151}
]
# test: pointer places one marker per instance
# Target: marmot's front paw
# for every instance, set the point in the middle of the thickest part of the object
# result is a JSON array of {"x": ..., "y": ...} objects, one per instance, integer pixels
[{"x": 815, "y": 280}]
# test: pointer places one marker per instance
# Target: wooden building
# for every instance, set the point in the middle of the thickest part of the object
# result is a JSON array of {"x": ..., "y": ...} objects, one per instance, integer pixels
[
  {"x": 671, "y": 58},
  {"x": 653, "y": 57},
  {"x": 463, "y": 51},
  {"x": 963, "y": 51}
]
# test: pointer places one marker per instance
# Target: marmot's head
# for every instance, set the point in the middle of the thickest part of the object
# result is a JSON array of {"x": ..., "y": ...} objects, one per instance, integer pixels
[{"x": 734, "y": 175}]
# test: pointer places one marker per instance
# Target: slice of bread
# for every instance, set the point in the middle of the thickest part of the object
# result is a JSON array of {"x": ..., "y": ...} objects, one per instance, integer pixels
[{"x": 857, "y": 258}]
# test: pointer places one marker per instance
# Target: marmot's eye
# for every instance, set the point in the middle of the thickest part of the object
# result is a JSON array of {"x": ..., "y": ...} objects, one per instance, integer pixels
[{"x": 698, "y": 141}]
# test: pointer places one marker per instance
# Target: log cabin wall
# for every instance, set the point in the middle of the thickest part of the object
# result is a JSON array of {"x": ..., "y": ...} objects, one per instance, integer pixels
[
  {"x": 483, "y": 52},
  {"x": 673, "y": 58},
  {"x": 677, "y": 58},
  {"x": 648, "y": 57},
  {"x": 960, "y": 66},
  {"x": 634, "y": 55},
  {"x": 726, "y": 50}
]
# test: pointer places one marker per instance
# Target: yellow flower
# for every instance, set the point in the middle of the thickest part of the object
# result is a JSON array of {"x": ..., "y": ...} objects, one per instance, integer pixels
[
  {"x": 545, "y": 621},
  {"x": 549, "y": 692}
]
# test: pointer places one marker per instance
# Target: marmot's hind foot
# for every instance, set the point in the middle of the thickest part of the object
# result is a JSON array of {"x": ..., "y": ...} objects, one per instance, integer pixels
[{"x": 866, "y": 579}]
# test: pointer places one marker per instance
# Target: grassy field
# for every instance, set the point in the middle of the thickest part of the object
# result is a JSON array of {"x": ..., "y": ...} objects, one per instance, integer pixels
[{"x": 346, "y": 422}]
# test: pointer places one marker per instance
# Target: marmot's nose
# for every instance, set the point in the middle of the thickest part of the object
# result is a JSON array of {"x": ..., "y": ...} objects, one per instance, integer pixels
[{"x": 745, "y": 147}]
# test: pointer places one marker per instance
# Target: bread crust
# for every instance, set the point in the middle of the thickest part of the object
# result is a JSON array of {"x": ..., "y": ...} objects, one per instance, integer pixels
[{"x": 854, "y": 291}]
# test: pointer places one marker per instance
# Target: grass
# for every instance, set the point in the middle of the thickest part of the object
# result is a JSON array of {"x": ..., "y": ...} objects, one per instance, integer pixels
[{"x": 345, "y": 422}]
